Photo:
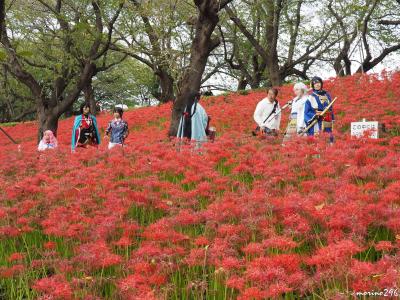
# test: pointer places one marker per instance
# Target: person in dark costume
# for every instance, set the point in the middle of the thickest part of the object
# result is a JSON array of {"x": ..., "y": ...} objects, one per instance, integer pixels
[
  {"x": 85, "y": 131},
  {"x": 117, "y": 129},
  {"x": 316, "y": 103}
]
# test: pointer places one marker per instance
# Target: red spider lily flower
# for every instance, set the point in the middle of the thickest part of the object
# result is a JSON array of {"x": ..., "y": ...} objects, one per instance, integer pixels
[
  {"x": 253, "y": 293},
  {"x": 334, "y": 254},
  {"x": 3, "y": 213},
  {"x": 55, "y": 287},
  {"x": 162, "y": 231},
  {"x": 221, "y": 248},
  {"x": 277, "y": 289},
  {"x": 236, "y": 282},
  {"x": 9, "y": 231},
  {"x": 230, "y": 263},
  {"x": 130, "y": 228},
  {"x": 279, "y": 242},
  {"x": 201, "y": 241},
  {"x": 149, "y": 250},
  {"x": 97, "y": 255},
  {"x": 16, "y": 257},
  {"x": 50, "y": 245},
  {"x": 196, "y": 257},
  {"x": 157, "y": 279},
  {"x": 393, "y": 222},
  {"x": 384, "y": 246},
  {"x": 124, "y": 241},
  {"x": 135, "y": 287},
  {"x": 12, "y": 271},
  {"x": 186, "y": 217},
  {"x": 367, "y": 275},
  {"x": 254, "y": 249}
]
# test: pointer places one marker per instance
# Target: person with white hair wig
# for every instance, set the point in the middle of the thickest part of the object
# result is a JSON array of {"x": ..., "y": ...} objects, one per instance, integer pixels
[{"x": 296, "y": 119}]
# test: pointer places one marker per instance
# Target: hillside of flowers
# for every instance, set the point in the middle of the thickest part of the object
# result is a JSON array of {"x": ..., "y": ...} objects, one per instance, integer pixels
[{"x": 240, "y": 218}]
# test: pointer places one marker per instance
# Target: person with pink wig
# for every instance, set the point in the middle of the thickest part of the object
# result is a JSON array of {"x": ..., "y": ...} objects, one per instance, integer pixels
[{"x": 49, "y": 141}]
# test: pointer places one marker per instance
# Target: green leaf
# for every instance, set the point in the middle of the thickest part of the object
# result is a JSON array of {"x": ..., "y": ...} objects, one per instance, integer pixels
[
  {"x": 3, "y": 55},
  {"x": 25, "y": 53}
]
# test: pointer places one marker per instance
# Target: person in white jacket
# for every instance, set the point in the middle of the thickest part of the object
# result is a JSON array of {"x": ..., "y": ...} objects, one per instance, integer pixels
[
  {"x": 267, "y": 114},
  {"x": 296, "y": 119}
]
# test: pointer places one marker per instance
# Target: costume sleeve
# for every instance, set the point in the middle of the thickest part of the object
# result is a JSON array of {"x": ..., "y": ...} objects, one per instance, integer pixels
[
  {"x": 309, "y": 112},
  {"x": 258, "y": 118},
  {"x": 41, "y": 146},
  {"x": 179, "y": 133},
  {"x": 108, "y": 128},
  {"x": 199, "y": 124},
  {"x": 74, "y": 128},
  {"x": 205, "y": 119},
  {"x": 96, "y": 129},
  {"x": 126, "y": 131},
  {"x": 331, "y": 109},
  {"x": 300, "y": 114},
  {"x": 278, "y": 117}
]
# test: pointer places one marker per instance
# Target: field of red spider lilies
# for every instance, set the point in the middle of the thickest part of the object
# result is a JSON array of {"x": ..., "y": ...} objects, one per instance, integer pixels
[{"x": 243, "y": 219}]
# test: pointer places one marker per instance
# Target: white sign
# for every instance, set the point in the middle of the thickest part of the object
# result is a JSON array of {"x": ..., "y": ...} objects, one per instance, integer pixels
[{"x": 358, "y": 129}]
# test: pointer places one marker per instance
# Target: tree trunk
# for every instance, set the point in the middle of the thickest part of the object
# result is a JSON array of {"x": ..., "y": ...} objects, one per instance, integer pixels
[
  {"x": 337, "y": 65},
  {"x": 89, "y": 97},
  {"x": 9, "y": 112},
  {"x": 343, "y": 57},
  {"x": 69, "y": 112},
  {"x": 274, "y": 74},
  {"x": 167, "y": 86},
  {"x": 242, "y": 84},
  {"x": 201, "y": 48},
  {"x": 256, "y": 80},
  {"x": 271, "y": 35},
  {"x": 347, "y": 65},
  {"x": 48, "y": 120}
]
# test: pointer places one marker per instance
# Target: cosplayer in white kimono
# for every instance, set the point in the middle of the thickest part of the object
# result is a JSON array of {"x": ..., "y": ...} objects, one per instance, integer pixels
[
  {"x": 268, "y": 114},
  {"x": 193, "y": 125},
  {"x": 296, "y": 119}
]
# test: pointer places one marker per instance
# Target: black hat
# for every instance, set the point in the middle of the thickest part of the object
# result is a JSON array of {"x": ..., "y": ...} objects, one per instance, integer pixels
[{"x": 316, "y": 79}]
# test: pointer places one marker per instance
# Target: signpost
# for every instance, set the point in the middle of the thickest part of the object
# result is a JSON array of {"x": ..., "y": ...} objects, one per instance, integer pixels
[{"x": 358, "y": 129}]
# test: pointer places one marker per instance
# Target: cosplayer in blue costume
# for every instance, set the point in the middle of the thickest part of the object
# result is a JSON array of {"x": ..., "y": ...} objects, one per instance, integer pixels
[
  {"x": 193, "y": 125},
  {"x": 316, "y": 103},
  {"x": 85, "y": 131}
]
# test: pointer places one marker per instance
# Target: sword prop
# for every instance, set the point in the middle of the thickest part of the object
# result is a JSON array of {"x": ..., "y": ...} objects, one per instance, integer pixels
[
  {"x": 314, "y": 120},
  {"x": 7, "y": 135},
  {"x": 279, "y": 111}
]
